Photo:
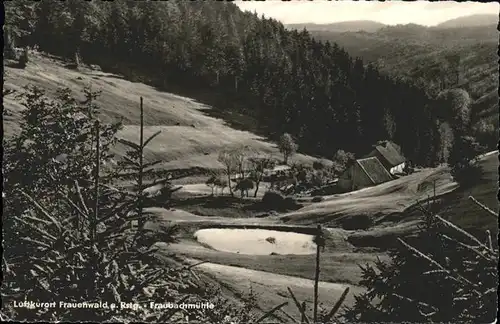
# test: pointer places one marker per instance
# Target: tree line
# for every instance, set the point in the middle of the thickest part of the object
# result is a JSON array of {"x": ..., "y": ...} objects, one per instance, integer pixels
[{"x": 288, "y": 81}]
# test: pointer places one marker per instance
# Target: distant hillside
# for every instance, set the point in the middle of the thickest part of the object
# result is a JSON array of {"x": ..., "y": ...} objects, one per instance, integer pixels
[
  {"x": 340, "y": 27},
  {"x": 470, "y": 21},
  {"x": 421, "y": 53}
]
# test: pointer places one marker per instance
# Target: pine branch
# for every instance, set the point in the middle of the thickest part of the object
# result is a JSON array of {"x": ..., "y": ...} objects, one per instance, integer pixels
[
  {"x": 300, "y": 307},
  {"x": 465, "y": 233},
  {"x": 483, "y": 207},
  {"x": 459, "y": 278}
]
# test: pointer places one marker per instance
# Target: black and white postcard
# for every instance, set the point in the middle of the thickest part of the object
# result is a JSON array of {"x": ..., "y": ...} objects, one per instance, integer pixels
[{"x": 245, "y": 162}]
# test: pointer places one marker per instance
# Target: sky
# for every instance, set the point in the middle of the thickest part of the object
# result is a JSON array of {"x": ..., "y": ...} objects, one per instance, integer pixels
[{"x": 389, "y": 12}]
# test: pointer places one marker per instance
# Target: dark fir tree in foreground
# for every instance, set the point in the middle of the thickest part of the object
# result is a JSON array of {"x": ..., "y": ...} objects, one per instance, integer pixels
[
  {"x": 443, "y": 274},
  {"x": 69, "y": 234}
]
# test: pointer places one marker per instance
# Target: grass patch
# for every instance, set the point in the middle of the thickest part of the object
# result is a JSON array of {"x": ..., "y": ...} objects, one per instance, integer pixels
[
  {"x": 224, "y": 206},
  {"x": 337, "y": 267},
  {"x": 220, "y": 206}
]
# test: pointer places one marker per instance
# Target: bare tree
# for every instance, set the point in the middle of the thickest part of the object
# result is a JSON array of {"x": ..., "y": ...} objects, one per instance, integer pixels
[
  {"x": 258, "y": 166},
  {"x": 229, "y": 160},
  {"x": 240, "y": 155},
  {"x": 212, "y": 183},
  {"x": 221, "y": 183}
]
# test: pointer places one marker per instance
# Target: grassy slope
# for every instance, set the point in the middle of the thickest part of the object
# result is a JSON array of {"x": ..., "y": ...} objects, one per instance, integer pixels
[
  {"x": 384, "y": 199},
  {"x": 190, "y": 137},
  {"x": 184, "y": 146},
  {"x": 464, "y": 212}
]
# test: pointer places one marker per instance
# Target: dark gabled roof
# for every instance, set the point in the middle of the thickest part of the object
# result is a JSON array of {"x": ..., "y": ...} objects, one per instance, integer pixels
[
  {"x": 374, "y": 170},
  {"x": 390, "y": 153}
]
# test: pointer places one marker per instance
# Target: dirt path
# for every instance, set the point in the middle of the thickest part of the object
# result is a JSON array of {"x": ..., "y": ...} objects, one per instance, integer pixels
[{"x": 272, "y": 288}]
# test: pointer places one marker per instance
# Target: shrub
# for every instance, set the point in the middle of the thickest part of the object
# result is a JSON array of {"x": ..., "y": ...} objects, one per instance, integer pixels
[
  {"x": 463, "y": 160},
  {"x": 290, "y": 203},
  {"x": 357, "y": 222},
  {"x": 273, "y": 199},
  {"x": 244, "y": 185},
  {"x": 318, "y": 165},
  {"x": 319, "y": 178},
  {"x": 317, "y": 199},
  {"x": 408, "y": 168}
]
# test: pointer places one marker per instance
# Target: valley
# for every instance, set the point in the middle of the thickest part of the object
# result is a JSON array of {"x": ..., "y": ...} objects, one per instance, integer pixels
[
  {"x": 387, "y": 206},
  {"x": 263, "y": 170}
]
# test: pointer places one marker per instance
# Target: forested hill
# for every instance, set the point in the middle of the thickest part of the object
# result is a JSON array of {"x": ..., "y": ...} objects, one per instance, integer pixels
[
  {"x": 285, "y": 79},
  {"x": 432, "y": 55}
]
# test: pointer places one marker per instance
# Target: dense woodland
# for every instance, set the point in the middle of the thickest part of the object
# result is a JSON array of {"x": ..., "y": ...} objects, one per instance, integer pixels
[
  {"x": 286, "y": 80},
  {"x": 441, "y": 58}
]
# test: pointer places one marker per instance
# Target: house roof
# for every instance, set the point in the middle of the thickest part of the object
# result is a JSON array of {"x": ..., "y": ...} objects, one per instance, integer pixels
[
  {"x": 390, "y": 153},
  {"x": 374, "y": 170}
]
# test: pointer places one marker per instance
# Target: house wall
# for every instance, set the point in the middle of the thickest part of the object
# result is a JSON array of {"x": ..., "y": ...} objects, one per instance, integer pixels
[
  {"x": 345, "y": 185},
  {"x": 398, "y": 168},
  {"x": 354, "y": 178},
  {"x": 360, "y": 179}
]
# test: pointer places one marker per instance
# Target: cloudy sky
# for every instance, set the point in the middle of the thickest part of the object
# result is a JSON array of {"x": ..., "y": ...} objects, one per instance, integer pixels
[{"x": 389, "y": 12}]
